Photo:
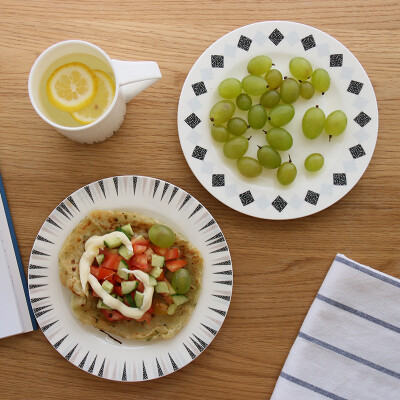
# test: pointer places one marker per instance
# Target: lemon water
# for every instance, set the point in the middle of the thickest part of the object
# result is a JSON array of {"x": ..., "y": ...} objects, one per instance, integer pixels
[{"x": 53, "y": 113}]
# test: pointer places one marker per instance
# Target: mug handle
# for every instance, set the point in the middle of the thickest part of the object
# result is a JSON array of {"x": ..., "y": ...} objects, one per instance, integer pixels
[{"x": 135, "y": 76}]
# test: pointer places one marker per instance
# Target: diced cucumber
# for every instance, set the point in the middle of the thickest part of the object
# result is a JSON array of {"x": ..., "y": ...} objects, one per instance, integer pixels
[
  {"x": 113, "y": 242},
  {"x": 179, "y": 299},
  {"x": 139, "y": 299},
  {"x": 107, "y": 286},
  {"x": 152, "y": 281},
  {"x": 162, "y": 287},
  {"x": 124, "y": 252},
  {"x": 140, "y": 237},
  {"x": 156, "y": 272},
  {"x": 118, "y": 229},
  {"x": 170, "y": 288},
  {"x": 128, "y": 286},
  {"x": 100, "y": 258},
  {"x": 127, "y": 229},
  {"x": 129, "y": 300},
  {"x": 120, "y": 299},
  {"x": 157, "y": 261},
  {"x": 171, "y": 309},
  {"x": 100, "y": 304},
  {"x": 122, "y": 274}
]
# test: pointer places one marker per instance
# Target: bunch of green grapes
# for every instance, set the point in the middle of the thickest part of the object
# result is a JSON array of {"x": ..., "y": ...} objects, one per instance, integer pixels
[{"x": 268, "y": 98}]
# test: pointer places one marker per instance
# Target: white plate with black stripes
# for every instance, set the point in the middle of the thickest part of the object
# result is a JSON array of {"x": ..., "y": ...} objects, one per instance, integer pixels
[
  {"x": 92, "y": 350},
  {"x": 346, "y": 156}
]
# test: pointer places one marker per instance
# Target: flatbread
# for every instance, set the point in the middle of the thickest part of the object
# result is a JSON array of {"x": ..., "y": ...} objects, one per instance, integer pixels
[{"x": 100, "y": 222}]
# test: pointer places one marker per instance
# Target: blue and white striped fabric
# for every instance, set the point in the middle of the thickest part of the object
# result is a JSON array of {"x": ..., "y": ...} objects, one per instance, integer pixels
[{"x": 348, "y": 347}]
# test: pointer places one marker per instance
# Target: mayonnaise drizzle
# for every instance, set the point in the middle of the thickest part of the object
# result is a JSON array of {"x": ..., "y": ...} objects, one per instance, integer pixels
[{"x": 92, "y": 247}]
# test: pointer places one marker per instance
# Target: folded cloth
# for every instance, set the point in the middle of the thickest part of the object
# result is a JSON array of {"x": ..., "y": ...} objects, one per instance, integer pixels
[{"x": 348, "y": 347}]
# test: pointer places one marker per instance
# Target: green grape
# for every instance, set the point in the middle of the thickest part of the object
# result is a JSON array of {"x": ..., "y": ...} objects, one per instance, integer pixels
[
  {"x": 259, "y": 65},
  {"x": 279, "y": 139},
  {"x": 306, "y": 90},
  {"x": 273, "y": 78},
  {"x": 236, "y": 147},
  {"x": 286, "y": 173},
  {"x": 244, "y": 102},
  {"x": 290, "y": 90},
  {"x": 219, "y": 133},
  {"x": 335, "y": 123},
  {"x": 321, "y": 80},
  {"x": 161, "y": 235},
  {"x": 181, "y": 281},
  {"x": 313, "y": 122},
  {"x": 254, "y": 85},
  {"x": 222, "y": 111},
  {"x": 281, "y": 115},
  {"x": 270, "y": 98},
  {"x": 237, "y": 126},
  {"x": 314, "y": 162},
  {"x": 300, "y": 68},
  {"x": 269, "y": 157},
  {"x": 249, "y": 167},
  {"x": 257, "y": 116},
  {"x": 230, "y": 88}
]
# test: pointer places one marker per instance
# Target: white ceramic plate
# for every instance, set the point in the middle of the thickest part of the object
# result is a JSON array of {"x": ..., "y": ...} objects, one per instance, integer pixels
[
  {"x": 89, "y": 348},
  {"x": 346, "y": 156}
]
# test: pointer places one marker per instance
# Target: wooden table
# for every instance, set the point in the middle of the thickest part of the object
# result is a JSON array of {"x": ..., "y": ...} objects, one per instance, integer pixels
[{"x": 278, "y": 266}]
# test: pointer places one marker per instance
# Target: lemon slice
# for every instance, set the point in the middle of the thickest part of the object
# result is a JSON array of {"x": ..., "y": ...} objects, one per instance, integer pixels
[
  {"x": 101, "y": 102},
  {"x": 72, "y": 87}
]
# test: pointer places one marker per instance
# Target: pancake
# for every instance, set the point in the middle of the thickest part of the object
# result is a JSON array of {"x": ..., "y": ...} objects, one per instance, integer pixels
[{"x": 100, "y": 222}]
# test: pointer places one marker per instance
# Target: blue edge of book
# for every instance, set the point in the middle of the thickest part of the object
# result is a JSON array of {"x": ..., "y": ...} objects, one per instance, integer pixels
[{"x": 17, "y": 253}]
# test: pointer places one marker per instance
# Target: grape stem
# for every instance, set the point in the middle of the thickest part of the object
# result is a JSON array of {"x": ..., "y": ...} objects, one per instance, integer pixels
[
  {"x": 290, "y": 160},
  {"x": 265, "y": 131},
  {"x": 212, "y": 119},
  {"x": 249, "y": 137},
  {"x": 330, "y": 138},
  {"x": 259, "y": 146}
]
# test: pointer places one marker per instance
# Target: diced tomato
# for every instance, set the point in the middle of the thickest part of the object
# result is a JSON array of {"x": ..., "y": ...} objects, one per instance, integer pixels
[
  {"x": 146, "y": 317},
  {"x": 162, "y": 276},
  {"x": 171, "y": 254},
  {"x": 113, "y": 315},
  {"x": 110, "y": 279},
  {"x": 140, "y": 287},
  {"x": 94, "y": 294},
  {"x": 104, "y": 273},
  {"x": 175, "y": 265},
  {"x": 94, "y": 271},
  {"x": 118, "y": 290},
  {"x": 111, "y": 261},
  {"x": 139, "y": 240},
  {"x": 160, "y": 307},
  {"x": 151, "y": 309},
  {"x": 117, "y": 278},
  {"x": 161, "y": 251},
  {"x": 139, "y": 248},
  {"x": 167, "y": 298},
  {"x": 140, "y": 261}
]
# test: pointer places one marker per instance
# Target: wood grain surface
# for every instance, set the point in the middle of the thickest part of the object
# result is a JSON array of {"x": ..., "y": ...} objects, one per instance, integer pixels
[{"x": 278, "y": 265}]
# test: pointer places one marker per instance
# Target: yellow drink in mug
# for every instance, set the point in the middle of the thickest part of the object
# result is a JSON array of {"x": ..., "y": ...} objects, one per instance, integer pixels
[
  {"x": 100, "y": 102},
  {"x": 79, "y": 90}
]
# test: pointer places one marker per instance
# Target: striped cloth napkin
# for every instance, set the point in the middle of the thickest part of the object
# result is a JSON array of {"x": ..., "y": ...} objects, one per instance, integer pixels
[{"x": 348, "y": 347}]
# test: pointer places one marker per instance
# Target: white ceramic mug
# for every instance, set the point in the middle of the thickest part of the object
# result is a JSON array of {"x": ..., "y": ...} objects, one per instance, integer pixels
[{"x": 131, "y": 77}]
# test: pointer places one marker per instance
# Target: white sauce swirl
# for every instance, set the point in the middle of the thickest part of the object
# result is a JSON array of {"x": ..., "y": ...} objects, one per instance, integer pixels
[{"x": 92, "y": 247}]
